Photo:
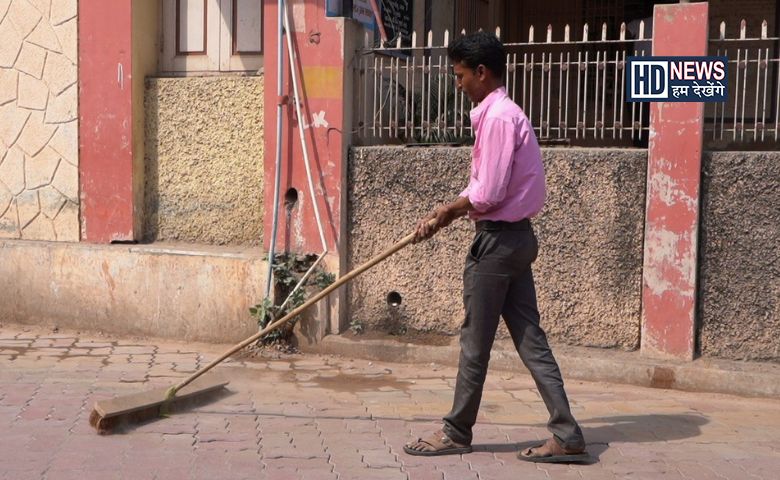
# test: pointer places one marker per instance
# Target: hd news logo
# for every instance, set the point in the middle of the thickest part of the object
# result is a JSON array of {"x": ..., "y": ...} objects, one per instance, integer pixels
[{"x": 677, "y": 79}]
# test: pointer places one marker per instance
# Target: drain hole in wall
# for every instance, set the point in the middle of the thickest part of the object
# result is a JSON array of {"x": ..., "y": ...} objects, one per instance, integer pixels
[
  {"x": 290, "y": 198},
  {"x": 394, "y": 299}
]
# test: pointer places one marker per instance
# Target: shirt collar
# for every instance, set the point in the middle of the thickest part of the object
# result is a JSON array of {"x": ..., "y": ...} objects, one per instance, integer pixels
[{"x": 479, "y": 111}]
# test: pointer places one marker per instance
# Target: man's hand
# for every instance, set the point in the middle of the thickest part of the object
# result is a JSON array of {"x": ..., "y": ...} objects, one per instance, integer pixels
[
  {"x": 433, "y": 222},
  {"x": 441, "y": 217}
]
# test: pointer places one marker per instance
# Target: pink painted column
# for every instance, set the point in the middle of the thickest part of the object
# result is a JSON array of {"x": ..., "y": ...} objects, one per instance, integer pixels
[
  {"x": 105, "y": 121},
  {"x": 673, "y": 183},
  {"x": 319, "y": 44}
]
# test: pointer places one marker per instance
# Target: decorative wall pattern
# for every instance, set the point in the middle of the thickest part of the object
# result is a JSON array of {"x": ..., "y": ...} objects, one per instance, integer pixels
[
  {"x": 39, "y": 197},
  {"x": 204, "y": 160}
]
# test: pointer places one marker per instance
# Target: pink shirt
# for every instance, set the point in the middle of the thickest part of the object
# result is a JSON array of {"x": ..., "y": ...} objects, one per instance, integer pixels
[{"x": 507, "y": 175}]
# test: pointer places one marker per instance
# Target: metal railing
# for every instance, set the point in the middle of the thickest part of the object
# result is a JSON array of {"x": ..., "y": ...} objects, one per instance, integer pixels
[
  {"x": 573, "y": 91},
  {"x": 750, "y": 116}
]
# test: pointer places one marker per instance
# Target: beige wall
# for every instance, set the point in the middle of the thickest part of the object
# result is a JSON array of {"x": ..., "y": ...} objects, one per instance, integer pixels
[
  {"x": 589, "y": 271},
  {"x": 190, "y": 294},
  {"x": 38, "y": 120},
  {"x": 204, "y": 160}
]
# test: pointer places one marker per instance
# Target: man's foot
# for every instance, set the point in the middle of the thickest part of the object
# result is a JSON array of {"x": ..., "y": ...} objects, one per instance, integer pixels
[
  {"x": 551, "y": 452},
  {"x": 437, "y": 443}
]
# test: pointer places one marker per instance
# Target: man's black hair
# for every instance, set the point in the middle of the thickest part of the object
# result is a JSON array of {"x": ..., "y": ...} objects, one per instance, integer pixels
[{"x": 480, "y": 48}]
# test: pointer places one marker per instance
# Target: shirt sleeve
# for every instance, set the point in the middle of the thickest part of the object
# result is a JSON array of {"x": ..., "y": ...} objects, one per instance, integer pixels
[{"x": 489, "y": 187}]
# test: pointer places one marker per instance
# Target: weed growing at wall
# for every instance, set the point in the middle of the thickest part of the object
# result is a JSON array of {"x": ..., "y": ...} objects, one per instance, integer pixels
[{"x": 288, "y": 270}]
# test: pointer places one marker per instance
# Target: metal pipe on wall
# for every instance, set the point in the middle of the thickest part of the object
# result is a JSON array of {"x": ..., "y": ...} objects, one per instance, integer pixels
[{"x": 278, "y": 163}]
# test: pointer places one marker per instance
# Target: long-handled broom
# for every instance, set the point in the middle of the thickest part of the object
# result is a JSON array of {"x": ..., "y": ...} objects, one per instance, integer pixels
[{"x": 108, "y": 414}]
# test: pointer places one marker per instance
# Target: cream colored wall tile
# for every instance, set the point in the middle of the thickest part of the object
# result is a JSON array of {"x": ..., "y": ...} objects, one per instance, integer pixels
[
  {"x": 9, "y": 222},
  {"x": 12, "y": 170},
  {"x": 31, "y": 60},
  {"x": 14, "y": 120},
  {"x": 67, "y": 33},
  {"x": 10, "y": 44},
  {"x": 51, "y": 201},
  {"x": 43, "y": 6},
  {"x": 35, "y": 135},
  {"x": 66, "y": 225},
  {"x": 64, "y": 107},
  {"x": 41, "y": 228},
  {"x": 33, "y": 93},
  {"x": 4, "y": 4},
  {"x": 63, "y": 10},
  {"x": 24, "y": 16},
  {"x": 8, "y": 85},
  {"x": 39, "y": 170},
  {"x": 38, "y": 119},
  {"x": 44, "y": 36},
  {"x": 60, "y": 72},
  {"x": 5, "y": 197},
  {"x": 66, "y": 181},
  {"x": 28, "y": 205},
  {"x": 66, "y": 142}
]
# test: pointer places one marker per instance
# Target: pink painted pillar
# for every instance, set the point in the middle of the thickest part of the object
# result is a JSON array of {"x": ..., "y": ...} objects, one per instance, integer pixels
[
  {"x": 319, "y": 44},
  {"x": 105, "y": 121},
  {"x": 673, "y": 183}
]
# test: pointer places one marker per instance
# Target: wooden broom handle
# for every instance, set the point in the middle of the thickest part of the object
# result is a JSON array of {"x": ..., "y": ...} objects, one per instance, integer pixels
[{"x": 324, "y": 293}]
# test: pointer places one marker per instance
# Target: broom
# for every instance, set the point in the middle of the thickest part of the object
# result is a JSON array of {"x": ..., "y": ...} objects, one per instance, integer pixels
[{"x": 107, "y": 415}]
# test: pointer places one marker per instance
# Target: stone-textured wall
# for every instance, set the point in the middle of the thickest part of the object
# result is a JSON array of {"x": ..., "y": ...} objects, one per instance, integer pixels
[
  {"x": 739, "y": 266},
  {"x": 39, "y": 197},
  {"x": 204, "y": 160},
  {"x": 588, "y": 273}
]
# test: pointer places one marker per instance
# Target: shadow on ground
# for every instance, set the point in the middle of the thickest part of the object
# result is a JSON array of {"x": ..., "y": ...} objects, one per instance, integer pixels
[{"x": 601, "y": 431}]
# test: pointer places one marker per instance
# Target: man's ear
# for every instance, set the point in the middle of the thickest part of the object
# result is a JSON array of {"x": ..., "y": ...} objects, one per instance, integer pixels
[{"x": 481, "y": 71}]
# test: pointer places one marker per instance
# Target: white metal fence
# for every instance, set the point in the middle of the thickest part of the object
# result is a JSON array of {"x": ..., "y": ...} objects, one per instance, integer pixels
[
  {"x": 751, "y": 114},
  {"x": 571, "y": 90}
]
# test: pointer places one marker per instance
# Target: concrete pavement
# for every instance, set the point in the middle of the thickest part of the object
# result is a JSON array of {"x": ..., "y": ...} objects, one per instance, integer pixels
[{"x": 323, "y": 417}]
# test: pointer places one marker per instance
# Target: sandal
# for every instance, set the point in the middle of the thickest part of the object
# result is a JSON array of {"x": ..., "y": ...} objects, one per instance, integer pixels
[
  {"x": 551, "y": 452},
  {"x": 438, "y": 443}
]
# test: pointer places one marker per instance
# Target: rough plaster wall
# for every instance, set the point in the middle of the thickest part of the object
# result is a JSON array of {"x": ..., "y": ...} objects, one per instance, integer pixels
[
  {"x": 204, "y": 160},
  {"x": 739, "y": 282},
  {"x": 589, "y": 269},
  {"x": 39, "y": 197}
]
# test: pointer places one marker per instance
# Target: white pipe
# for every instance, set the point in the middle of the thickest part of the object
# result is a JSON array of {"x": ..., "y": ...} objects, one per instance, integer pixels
[
  {"x": 297, "y": 97},
  {"x": 278, "y": 167},
  {"x": 302, "y": 281}
]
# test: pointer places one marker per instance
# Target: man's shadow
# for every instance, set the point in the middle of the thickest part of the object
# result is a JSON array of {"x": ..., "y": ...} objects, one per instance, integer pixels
[{"x": 622, "y": 428}]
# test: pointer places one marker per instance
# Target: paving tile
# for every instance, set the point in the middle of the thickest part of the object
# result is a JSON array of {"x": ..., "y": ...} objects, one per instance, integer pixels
[{"x": 288, "y": 425}]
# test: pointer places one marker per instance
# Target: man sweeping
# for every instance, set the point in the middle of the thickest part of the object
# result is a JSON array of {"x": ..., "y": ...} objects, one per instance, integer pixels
[{"x": 506, "y": 190}]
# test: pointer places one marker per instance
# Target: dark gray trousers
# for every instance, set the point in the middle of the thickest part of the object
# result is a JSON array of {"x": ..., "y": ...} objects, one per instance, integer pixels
[{"x": 498, "y": 281}]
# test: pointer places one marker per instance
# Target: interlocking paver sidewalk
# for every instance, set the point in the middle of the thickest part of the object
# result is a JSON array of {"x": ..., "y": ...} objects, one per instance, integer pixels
[{"x": 310, "y": 417}]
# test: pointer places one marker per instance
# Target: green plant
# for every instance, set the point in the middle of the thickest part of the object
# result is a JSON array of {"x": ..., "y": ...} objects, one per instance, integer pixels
[
  {"x": 356, "y": 327},
  {"x": 288, "y": 270}
]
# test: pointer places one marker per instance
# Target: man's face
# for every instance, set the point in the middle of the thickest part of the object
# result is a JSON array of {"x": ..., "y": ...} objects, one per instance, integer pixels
[{"x": 470, "y": 81}]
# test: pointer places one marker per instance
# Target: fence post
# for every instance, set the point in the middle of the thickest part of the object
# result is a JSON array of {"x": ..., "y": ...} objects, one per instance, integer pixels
[{"x": 670, "y": 267}]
